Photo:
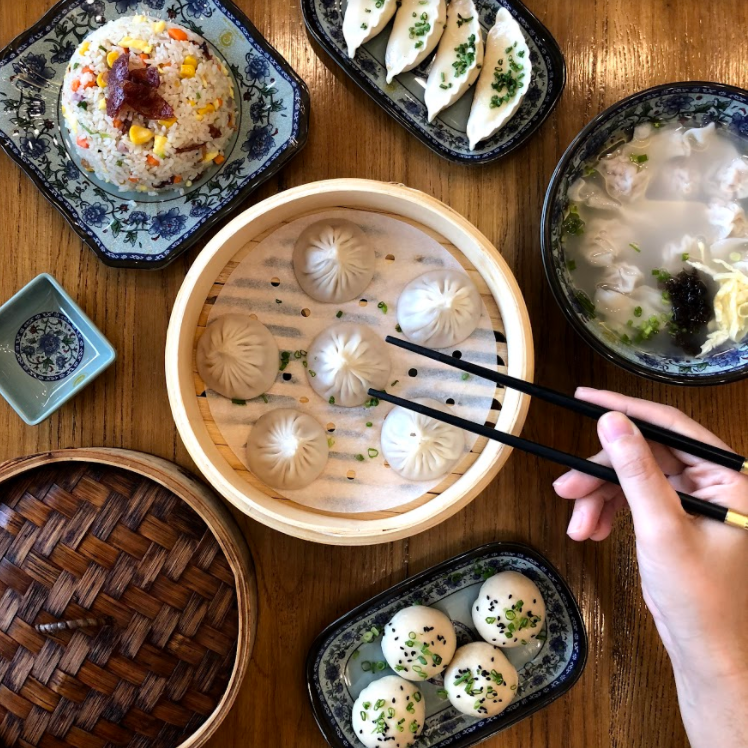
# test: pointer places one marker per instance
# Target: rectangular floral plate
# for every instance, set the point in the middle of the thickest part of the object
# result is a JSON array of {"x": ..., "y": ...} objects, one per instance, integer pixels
[
  {"x": 339, "y": 661},
  {"x": 403, "y": 98},
  {"x": 131, "y": 229}
]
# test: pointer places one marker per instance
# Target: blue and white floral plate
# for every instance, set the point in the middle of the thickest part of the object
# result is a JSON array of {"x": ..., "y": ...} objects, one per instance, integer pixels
[
  {"x": 699, "y": 103},
  {"x": 343, "y": 659},
  {"x": 132, "y": 229},
  {"x": 403, "y": 98}
]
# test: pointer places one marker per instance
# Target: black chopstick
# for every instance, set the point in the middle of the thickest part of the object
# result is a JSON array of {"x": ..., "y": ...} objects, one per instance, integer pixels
[
  {"x": 657, "y": 434},
  {"x": 690, "y": 503}
]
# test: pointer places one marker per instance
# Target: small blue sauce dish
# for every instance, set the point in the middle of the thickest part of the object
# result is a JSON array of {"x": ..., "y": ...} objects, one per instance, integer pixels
[{"x": 49, "y": 350}]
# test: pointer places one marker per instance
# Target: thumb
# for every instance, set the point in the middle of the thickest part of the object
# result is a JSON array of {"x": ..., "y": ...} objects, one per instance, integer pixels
[{"x": 655, "y": 506}]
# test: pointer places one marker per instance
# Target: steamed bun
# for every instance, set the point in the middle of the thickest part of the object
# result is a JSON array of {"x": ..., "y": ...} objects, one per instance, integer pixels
[
  {"x": 237, "y": 357},
  {"x": 389, "y": 711},
  {"x": 419, "y": 642},
  {"x": 439, "y": 309},
  {"x": 509, "y": 611},
  {"x": 480, "y": 681}
]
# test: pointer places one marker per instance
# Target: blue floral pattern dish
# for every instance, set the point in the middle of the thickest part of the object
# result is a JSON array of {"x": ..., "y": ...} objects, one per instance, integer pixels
[
  {"x": 343, "y": 659},
  {"x": 48, "y": 347},
  {"x": 135, "y": 229},
  {"x": 49, "y": 350},
  {"x": 403, "y": 99},
  {"x": 700, "y": 102}
]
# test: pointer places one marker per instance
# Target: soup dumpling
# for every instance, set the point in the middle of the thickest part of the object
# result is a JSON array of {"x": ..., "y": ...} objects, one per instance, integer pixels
[
  {"x": 419, "y": 24},
  {"x": 333, "y": 261},
  {"x": 458, "y": 60},
  {"x": 439, "y": 309},
  {"x": 509, "y": 611},
  {"x": 591, "y": 195},
  {"x": 419, "y": 642},
  {"x": 418, "y": 447},
  {"x": 364, "y": 19},
  {"x": 287, "y": 449},
  {"x": 385, "y": 704},
  {"x": 504, "y": 79},
  {"x": 480, "y": 681},
  {"x": 344, "y": 361},
  {"x": 237, "y": 357}
]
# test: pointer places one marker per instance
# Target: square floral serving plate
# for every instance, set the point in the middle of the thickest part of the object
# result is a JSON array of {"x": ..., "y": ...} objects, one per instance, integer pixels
[
  {"x": 403, "y": 98},
  {"x": 346, "y": 658},
  {"x": 131, "y": 229}
]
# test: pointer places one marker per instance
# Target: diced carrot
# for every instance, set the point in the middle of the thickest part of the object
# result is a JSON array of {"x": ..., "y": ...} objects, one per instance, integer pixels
[
  {"x": 152, "y": 160},
  {"x": 87, "y": 70},
  {"x": 177, "y": 179},
  {"x": 132, "y": 179},
  {"x": 81, "y": 141},
  {"x": 219, "y": 159},
  {"x": 76, "y": 84},
  {"x": 178, "y": 34},
  {"x": 117, "y": 122},
  {"x": 126, "y": 50},
  {"x": 143, "y": 57},
  {"x": 220, "y": 102},
  {"x": 90, "y": 84}
]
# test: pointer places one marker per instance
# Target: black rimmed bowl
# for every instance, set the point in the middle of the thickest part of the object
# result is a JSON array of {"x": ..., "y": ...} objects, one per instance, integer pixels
[
  {"x": 131, "y": 229},
  {"x": 699, "y": 103},
  {"x": 345, "y": 657},
  {"x": 403, "y": 98}
]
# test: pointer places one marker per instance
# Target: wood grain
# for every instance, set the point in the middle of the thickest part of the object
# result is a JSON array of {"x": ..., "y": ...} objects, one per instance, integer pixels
[{"x": 626, "y": 696}]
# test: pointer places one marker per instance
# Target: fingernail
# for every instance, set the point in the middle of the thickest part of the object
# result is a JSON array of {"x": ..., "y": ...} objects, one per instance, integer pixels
[
  {"x": 561, "y": 480},
  {"x": 574, "y": 524},
  {"x": 613, "y": 426},
  {"x": 582, "y": 390}
]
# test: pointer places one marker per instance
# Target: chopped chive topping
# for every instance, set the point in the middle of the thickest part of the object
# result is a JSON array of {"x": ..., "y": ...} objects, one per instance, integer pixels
[
  {"x": 381, "y": 305},
  {"x": 465, "y": 56},
  {"x": 394, "y": 383},
  {"x": 330, "y": 442},
  {"x": 465, "y": 376},
  {"x": 371, "y": 403},
  {"x": 380, "y": 703},
  {"x": 236, "y": 401},
  {"x": 372, "y": 452},
  {"x": 417, "y": 696},
  {"x": 369, "y": 424},
  {"x": 573, "y": 224},
  {"x": 331, "y": 400},
  {"x": 684, "y": 257},
  {"x": 312, "y": 373},
  {"x": 638, "y": 311},
  {"x": 462, "y": 21},
  {"x": 364, "y": 25},
  {"x": 264, "y": 397},
  {"x": 635, "y": 246},
  {"x": 339, "y": 313},
  {"x": 638, "y": 158},
  {"x": 360, "y": 457}
]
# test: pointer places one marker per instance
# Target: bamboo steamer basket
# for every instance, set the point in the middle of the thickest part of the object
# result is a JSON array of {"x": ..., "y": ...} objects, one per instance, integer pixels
[
  {"x": 151, "y": 557},
  {"x": 203, "y": 284}
]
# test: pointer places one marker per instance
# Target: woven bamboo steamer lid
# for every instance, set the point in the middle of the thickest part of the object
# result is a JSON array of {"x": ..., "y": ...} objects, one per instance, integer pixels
[
  {"x": 138, "y": 545},
  {"x": 202, "y": 437}
]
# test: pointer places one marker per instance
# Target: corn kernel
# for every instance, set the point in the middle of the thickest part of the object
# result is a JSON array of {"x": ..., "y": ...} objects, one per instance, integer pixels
[
  {"x": 207, "y": 109},
  {"x": 190, "y": 60},
  {"x": 138, "y": 44},
  {"x": 159, "y": 26},
  {"x": 187, "y": 71},
  {"x": 85, "y": 47},
  {"x": 102, "y": 104},
  {"x": 209, "y": 156},
  {"x": 167, "y": 122},
  {"x": 159, "y": 146},
  {"x": 140, "y": 135},
  {"x": 111, "y": 58},
  {"x": 101, "y": 80}
]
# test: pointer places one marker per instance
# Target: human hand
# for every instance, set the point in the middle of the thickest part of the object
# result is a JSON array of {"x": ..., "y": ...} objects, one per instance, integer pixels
[{"x": 693, "y": 570}]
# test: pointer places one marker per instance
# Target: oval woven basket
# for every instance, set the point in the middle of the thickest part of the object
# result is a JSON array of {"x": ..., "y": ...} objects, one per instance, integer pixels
[
  {"x": 127, "y": 603},
  {"x": 203, "y": 284}
]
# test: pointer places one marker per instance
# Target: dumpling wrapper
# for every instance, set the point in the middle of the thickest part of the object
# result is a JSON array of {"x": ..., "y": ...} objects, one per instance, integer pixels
[
  {"x": 419, "y": 25},
  {"x": 458, "y": 60},
  {"x": 364, "y": 19},
  {"x": 494, "y": 107}
]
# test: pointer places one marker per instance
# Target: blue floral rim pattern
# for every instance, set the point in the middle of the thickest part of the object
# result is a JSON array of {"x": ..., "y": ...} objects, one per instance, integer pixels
[
  {"x": 324, "y": 21},
  {"x": 551, "y": 674},
  {"x": 701, "y": 102},
  {"x": 48, "y": 347},
  {"x": 129, "y": 229}
]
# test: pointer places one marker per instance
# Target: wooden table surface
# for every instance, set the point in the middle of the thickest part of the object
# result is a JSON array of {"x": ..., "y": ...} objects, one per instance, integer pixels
[{"x": 613, "y": 48}]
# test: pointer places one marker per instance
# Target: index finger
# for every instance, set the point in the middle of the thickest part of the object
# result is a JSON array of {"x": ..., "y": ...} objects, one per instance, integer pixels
[{"x": 657, "y": 414}]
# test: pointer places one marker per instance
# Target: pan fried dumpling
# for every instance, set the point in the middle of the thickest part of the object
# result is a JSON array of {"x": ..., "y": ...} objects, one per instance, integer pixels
[
  {"x": 439, "y": 309},
  {"x": 287, "y": 449},
  {"x": 458, "y": 60},
  {"x": 504, "y": 79},
  {"x": 419, "y": 24},
  {"x": 364, "y": 19},
  {"x": 344, "y": 361},
  {"x": 237, "y": 357},
  {"x": 418, "y": 447},
  {"x": 333, "y": 260}
]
